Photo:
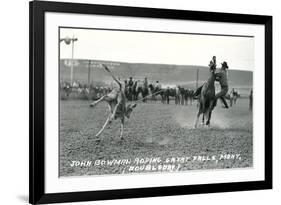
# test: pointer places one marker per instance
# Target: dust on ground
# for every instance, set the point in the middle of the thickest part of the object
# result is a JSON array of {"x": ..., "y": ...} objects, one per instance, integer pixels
[{"x": 154, "y": 130}]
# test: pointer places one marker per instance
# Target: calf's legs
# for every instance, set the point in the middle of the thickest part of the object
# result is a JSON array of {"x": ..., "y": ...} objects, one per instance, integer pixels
[
  {"x": 104, "y": 126},
  {"x": 122, "y": 128},
  {"x": 97, "y": 101}
]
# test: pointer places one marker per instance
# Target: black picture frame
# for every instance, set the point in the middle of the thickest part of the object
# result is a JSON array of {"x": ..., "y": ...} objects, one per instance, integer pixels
[{"x": 37, "y": 10}]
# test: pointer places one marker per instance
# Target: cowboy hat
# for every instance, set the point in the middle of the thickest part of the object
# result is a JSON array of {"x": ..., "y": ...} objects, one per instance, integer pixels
[{"x": 224, "y": 64}]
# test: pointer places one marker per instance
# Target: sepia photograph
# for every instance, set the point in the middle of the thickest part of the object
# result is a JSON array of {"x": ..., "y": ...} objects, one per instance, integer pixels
[{"x": 144, "y": 102}]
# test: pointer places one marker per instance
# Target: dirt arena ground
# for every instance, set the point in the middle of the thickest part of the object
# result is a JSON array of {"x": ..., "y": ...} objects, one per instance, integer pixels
[{"x": 155, "y": 131}]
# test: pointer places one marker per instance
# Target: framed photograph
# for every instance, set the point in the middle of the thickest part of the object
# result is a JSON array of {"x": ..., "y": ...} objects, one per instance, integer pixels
[{"x": 130, "y": 102}]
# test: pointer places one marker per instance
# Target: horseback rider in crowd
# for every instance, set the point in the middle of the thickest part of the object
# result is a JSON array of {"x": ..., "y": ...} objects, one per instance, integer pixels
[
  {"x": 157, "y": 85},
  {"x": 131, "y": 82},
  {"x": 126, "y": 83},
  {"x": 145, "y": 83}
]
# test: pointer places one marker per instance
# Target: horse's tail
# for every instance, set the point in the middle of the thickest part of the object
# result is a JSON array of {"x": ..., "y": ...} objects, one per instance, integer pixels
[{"x": 198, "y": 91}]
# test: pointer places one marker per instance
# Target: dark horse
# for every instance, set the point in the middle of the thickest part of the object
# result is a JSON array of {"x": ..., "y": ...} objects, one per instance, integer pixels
[
  {"x": 66, "y": 90},
  {"x": 172, "y": 92},
  {"x": 207, "y": 99},
  {"x": 140, "y": 87},
  {"x": 129, "y": 92},
  {"x": 156, "y": 91}
]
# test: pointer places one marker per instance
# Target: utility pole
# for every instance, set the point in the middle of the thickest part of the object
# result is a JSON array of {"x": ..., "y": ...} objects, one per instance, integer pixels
[
  {"x": 89, "y": 73},
  {"x": 197, "y": 77}
]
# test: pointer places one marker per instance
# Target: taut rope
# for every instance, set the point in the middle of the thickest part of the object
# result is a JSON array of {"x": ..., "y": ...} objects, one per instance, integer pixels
[{"x": 149, "y": 95}]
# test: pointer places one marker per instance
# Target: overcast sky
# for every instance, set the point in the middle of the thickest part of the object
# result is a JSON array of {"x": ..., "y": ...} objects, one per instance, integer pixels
[{"x": 160, "y": 48}]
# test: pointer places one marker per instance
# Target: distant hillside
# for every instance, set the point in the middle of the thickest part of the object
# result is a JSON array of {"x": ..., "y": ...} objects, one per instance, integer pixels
[{"x": 166, "y": 74}]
